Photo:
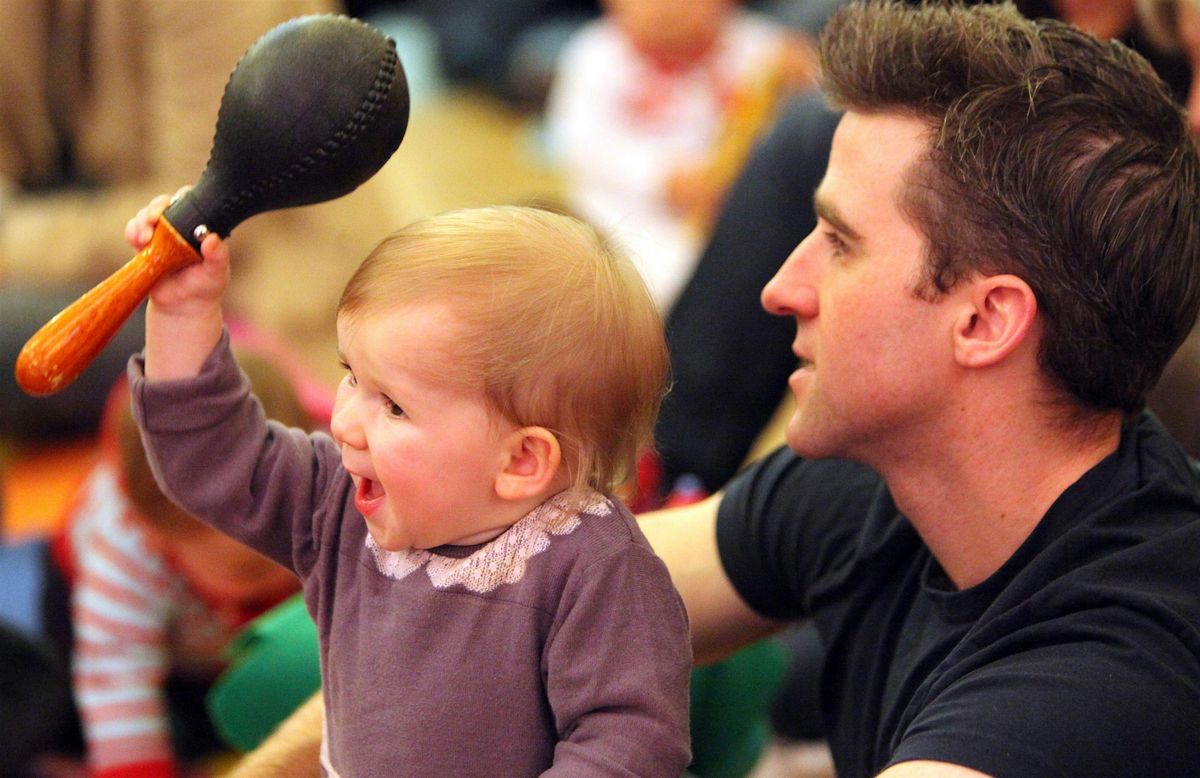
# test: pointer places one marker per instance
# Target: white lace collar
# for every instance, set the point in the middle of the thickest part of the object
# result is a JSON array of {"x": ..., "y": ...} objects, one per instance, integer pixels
[{"x": 501, "y": 560}]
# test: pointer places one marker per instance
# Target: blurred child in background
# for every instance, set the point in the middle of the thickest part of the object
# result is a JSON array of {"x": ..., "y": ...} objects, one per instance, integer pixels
[
  {"x": 652, "y": 109},
  {"x": 131, "y": 605}
]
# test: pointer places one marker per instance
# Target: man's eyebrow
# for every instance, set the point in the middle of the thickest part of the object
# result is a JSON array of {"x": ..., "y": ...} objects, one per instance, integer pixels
[{"x": 829, "y": 212}]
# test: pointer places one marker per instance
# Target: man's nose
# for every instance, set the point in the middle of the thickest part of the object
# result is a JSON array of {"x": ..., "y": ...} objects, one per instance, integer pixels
[{"x": 791, "y": 292}]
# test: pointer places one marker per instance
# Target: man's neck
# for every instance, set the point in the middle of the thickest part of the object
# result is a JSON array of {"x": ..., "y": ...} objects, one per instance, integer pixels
[{"x": 975, "y": 499}]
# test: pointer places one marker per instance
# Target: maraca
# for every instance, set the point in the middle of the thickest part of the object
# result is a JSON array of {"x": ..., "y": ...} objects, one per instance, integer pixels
[{"x": 314, "y": 108}]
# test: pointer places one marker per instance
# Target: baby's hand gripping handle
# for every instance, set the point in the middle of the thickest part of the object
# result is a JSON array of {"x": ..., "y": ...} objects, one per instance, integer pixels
[{"x": 57, "y": 353}]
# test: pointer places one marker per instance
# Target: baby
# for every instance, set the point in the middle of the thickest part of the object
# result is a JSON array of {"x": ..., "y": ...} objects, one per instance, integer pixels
[{"x": 485, "y": 605}]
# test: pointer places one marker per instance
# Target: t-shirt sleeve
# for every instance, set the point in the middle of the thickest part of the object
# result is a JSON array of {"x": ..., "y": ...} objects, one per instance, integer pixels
[
  {"x": 213, "y": 452},
  {"x": 786, "y": 522},
  {"x": 618, "y": 664}
]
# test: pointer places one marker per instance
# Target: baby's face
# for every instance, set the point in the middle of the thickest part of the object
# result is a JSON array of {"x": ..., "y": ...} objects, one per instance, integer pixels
[
  {"x": 423, "y": 453},
  {"x": 672, "y": 31}
]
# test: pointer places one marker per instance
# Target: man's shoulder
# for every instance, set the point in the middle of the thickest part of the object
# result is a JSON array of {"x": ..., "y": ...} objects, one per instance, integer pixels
[
  {"x": 1149, "y": 491},
  {"x": 1159, "y": 457},
  {"x": 784, "y": 481},
  {"x": 1121, "y": 548}
]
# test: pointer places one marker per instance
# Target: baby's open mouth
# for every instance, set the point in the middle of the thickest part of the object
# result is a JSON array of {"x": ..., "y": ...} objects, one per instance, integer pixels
[{"x": 368, "y": 495}]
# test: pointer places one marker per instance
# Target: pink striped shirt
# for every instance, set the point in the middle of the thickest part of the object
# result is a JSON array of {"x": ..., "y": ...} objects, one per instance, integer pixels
[{"x": 135, "y": 622}]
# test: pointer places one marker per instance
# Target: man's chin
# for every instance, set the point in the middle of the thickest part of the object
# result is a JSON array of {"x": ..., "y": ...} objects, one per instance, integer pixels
[{"x": 805, "y": 441}]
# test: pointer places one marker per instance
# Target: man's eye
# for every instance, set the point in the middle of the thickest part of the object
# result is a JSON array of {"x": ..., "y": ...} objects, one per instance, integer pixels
[{"x": 835, "y": 242}]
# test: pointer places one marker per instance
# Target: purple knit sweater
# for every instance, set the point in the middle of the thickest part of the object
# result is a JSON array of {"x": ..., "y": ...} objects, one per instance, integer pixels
[{"x": 560, "y": 647}]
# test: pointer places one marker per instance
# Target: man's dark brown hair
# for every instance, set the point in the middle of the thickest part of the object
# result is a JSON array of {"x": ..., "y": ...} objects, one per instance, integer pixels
[{"x": 1053, "y": 156}]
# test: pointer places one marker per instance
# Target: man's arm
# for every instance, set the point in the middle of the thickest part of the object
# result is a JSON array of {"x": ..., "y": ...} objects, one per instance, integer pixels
[
  {"x": 292, "y": 751},
  {"x": 922, "y": 768},
  {"x": 686, "y": 540}
]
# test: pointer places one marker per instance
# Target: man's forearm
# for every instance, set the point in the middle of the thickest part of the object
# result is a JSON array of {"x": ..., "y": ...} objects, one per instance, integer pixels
[{"x": 686, "y": 540}]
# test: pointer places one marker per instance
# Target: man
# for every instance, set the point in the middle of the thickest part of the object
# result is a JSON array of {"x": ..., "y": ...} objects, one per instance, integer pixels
[
  {"x": 1005, "y": 257},
  {"x": 730, "y": 358}
]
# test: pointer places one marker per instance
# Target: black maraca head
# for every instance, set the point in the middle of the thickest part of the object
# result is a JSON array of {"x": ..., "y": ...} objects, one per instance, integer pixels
[{"x": 313, "y": 109}]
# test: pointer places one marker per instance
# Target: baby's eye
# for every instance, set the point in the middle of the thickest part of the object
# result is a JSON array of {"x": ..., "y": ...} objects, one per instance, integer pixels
[
  {"x": 349, "y": 373},
  {"x": 393, "y": 409}
]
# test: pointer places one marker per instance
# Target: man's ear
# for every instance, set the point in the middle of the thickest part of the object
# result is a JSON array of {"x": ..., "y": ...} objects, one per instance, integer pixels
[
  {"x": 996, "y": 319},
  {"x": 532, "y": 461}
]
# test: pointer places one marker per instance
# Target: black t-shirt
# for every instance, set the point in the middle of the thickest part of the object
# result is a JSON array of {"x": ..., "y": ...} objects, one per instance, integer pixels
[{"x": 1080, "y": 656}]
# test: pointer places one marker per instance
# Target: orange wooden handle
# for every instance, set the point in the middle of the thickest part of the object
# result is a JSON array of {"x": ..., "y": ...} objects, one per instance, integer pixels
[{"x": 62, "y": 349}]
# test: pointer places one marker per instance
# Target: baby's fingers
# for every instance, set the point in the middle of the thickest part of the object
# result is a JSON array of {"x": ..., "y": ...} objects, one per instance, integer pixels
[
  {"x": 215, "y": 251},
  {"x": 140, "y": 228}
]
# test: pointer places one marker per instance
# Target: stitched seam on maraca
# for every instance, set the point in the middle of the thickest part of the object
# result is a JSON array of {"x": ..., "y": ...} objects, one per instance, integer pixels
[{"x": 368, "y": 109}]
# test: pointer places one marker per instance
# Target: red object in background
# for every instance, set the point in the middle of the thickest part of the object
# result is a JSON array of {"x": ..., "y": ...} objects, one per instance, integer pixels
[
  {"x": 648, "y": 486},
  {"x": 651, "y": 494},
  {"x": 688, "y": 489}
]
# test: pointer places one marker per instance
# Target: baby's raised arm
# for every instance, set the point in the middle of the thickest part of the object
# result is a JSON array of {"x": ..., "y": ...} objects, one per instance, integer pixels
[{"x": 183, "y": 320}]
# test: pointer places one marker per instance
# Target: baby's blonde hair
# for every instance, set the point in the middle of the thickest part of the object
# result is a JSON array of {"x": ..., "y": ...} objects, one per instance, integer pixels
[{"x": 559, "y": 329}]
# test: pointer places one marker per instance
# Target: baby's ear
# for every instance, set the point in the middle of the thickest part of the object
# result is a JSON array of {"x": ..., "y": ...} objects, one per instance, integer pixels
[{"x": 532, "y": 461}]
